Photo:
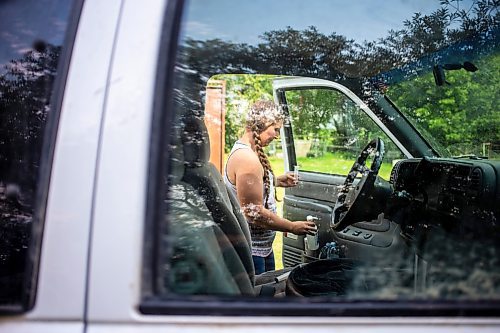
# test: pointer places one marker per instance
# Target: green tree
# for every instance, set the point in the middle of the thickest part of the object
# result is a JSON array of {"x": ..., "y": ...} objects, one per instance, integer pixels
[
  {"x": 462, "y": 115},
  {"x": 242, "y": 91},
  {"x": 311, "y": 53}
]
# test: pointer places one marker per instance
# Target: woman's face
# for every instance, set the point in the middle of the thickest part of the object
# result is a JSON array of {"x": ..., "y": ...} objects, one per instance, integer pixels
[{"x": 270, "y": 133}]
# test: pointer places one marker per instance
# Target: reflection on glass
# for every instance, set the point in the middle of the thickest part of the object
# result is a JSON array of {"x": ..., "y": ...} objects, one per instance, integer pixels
[
  {"x": 330, "y": 130},
  {"x": 437, "y": 232},
  {"x": 31, "y": 39}
]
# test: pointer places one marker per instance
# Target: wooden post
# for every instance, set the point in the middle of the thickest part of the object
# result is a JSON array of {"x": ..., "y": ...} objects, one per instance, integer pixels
[{"x": 215, "y": 112}]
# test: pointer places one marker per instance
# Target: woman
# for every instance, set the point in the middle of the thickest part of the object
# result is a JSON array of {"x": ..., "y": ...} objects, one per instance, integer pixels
[{"x": 248, "y": 173}]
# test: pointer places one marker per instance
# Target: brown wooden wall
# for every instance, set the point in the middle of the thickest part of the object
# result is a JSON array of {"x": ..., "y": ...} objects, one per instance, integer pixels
[{"x": 215, "y": 113}]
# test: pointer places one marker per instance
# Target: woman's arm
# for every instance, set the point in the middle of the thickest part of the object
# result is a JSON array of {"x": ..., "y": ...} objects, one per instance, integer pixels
[{"x": 249, "y": 187}]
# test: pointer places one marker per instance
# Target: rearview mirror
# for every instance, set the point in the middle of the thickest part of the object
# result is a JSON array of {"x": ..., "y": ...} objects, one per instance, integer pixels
[{"x": 440, "y": 76}]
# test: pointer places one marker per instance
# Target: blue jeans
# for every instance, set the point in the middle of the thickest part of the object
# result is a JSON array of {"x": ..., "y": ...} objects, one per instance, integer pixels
[{"x": 264, "y": 264}]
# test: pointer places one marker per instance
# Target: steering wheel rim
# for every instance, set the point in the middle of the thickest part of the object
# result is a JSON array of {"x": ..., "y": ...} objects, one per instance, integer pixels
[{"x": 348, "y": 196}]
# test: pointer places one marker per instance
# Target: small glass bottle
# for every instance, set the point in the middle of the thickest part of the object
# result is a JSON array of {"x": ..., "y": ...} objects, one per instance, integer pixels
[{"x": 296, "y": 174}]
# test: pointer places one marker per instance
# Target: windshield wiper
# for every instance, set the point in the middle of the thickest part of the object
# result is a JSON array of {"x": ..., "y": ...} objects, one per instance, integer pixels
[{"x": 471, "y": 156}]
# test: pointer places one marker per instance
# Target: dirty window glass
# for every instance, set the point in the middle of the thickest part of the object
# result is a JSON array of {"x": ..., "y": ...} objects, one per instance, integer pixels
[
  {"x": 422, "y": 227},
  {"x": 330, "y": 130},
  {"x": 30, "y": 47},
  {"x": 472, "y": 129}
]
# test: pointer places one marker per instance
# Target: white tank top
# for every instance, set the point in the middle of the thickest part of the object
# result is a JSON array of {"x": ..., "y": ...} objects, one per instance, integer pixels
[{"x": 262, "y": 239}]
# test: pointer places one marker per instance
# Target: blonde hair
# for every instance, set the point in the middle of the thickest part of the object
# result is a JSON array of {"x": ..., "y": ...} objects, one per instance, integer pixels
[{"x": 261, "y": 115}]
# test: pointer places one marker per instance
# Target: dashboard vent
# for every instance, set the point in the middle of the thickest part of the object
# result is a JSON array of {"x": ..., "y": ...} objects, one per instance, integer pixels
[{"x": 475, "y": 180}]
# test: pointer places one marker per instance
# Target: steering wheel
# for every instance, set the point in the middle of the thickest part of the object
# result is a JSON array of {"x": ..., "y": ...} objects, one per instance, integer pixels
[{"x": 350, "y": 199}]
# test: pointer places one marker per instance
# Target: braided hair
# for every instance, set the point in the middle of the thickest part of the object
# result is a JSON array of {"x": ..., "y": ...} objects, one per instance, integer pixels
[{"x": 261, "y": 115}]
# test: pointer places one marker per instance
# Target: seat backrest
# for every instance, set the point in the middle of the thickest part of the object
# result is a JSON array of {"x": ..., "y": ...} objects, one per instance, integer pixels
[
  {"x": 206, "y": 179},
  {"x": 194, "y": 243}
]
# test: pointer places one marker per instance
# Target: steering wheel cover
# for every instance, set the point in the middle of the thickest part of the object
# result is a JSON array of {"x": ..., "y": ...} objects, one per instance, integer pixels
[{"x": 349, "y": 196}]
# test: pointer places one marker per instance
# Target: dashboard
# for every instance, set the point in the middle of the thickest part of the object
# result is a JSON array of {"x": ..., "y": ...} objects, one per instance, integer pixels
[{"x": 459, "y": 194}]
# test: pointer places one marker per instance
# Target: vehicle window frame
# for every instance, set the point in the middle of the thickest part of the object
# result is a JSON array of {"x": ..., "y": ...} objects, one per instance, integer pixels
[
  {"x": 160, "y": 305},
  {"x": 28, "y": 298},
  {"x": 162, "y": 118}
]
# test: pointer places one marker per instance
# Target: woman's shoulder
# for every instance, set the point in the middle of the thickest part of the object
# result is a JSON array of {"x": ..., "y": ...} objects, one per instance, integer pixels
[
  {"x": 244, "y": 159},
  {"x": 244, "y": 155}
]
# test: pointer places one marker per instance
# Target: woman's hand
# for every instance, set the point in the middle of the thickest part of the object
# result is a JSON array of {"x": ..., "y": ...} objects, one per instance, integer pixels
[
  {"x": 287, "y": 180},
  {"x": 303, "y": 228}
]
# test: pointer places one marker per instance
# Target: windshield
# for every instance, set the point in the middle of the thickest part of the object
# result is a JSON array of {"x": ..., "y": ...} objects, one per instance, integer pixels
[{"x": 454, "y": 101}]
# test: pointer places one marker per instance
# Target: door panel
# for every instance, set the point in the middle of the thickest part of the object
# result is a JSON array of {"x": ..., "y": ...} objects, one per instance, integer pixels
[
  {"x": 316, "y": 186},
  {"x": 294, "y": 248},
  {"x": 315, "y": 195}
]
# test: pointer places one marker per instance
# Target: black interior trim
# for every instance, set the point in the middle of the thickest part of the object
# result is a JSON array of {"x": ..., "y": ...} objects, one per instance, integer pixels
[
  {"x": 290, "y": 147},
  {"x": 319, "y": 308},
  {"x": 162, "y": 120}
]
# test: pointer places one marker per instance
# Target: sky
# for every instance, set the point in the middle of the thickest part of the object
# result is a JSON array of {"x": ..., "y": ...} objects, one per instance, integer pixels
[
  {"x": 356, "y": 19},
  {"x": 24, "y": 21}
]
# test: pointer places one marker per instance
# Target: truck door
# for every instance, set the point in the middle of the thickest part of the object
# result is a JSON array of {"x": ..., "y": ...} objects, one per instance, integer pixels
[{"x": 327, "y": 127}]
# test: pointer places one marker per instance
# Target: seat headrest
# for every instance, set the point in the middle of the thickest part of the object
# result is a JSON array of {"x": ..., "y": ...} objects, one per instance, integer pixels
[{"x": 195, "y": 142}]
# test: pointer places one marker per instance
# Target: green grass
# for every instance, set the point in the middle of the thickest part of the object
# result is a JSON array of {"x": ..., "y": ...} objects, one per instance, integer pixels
[
  {"x": 336, "y": 164},
  {"x": 278, "y": 168}
]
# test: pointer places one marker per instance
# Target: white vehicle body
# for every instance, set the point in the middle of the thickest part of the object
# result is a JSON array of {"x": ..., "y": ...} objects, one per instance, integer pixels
[{"x": 92, "y": 250}]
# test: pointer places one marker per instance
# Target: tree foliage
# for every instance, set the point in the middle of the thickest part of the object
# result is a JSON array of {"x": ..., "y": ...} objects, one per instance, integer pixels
[
  {"x": 453, "y": 113},
  {"x": 463, "y": 115},
  {"x": 242, "y": 91},
  {"x": 24, "y": 104}
]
